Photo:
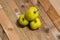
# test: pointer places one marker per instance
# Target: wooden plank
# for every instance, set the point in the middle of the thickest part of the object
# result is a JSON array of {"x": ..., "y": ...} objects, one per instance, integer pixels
[
  {"x": 8, "y": 27},
  {"x": 53, "y": 11},
  {"x": 2, "y": 33},
  {"x": 54, "y": 14},
  {"x": 21, "y": 5},
  {"x": 48, "y": 23},
  {"x": 0, "y": 38},
  {"x": 54, "y": 17},
  {"x": 11, "y": 13},
  {"x": 45, "y": 4},
  {"x": 25, "y": 33},
  {"x": 32, "y": 37},
  {"x": 56, "y": 5}
]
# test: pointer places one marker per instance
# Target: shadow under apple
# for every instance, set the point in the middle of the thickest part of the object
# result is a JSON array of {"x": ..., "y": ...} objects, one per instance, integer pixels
[{"x": 21, "y": 26}]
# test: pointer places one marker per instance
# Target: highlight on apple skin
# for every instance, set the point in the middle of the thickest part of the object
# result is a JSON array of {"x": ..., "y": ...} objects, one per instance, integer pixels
[
  {"x": 31, "y": 13},
  {"x": 22, "y": 20}
]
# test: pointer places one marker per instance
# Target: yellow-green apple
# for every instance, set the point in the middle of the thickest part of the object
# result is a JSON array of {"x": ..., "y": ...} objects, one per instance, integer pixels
[
  {"x": 35, "y": 24},
  {"x": 22, "y": 20},
  {"x": 31, "y": 13}
]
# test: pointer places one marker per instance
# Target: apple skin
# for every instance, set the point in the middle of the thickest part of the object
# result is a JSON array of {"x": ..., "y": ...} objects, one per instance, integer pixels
[
  {"x": 22, "y": 20},
  {"x": 35, "y": 24},
  {"x": 31, "y": 13}
]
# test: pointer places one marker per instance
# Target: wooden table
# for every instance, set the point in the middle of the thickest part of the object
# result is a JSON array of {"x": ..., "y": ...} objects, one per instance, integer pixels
[{"x": 50, "y": 29}]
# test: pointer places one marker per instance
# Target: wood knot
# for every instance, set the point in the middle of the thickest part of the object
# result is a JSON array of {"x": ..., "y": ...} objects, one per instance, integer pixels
[
  {"x": 22, "y": 6},
  {"x": 47, "y": 30},
  {"x": 16, "y": 10},
  {"x": 58, "y": 36},
  {"x": 38, "y": 2},
  {"x": 27, "y": 1},
  {"x": 10, "y": 29}
]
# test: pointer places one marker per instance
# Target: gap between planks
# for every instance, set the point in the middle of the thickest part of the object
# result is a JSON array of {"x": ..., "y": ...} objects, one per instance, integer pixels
[{"x": 56, "y": 5}]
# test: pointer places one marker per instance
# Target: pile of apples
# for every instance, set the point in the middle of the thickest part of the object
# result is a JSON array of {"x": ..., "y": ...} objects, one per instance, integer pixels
[{"x": 30, "y": 17}]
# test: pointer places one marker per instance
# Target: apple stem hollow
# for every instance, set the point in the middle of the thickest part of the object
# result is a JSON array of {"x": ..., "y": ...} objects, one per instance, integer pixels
[{"x": 35, "y": 21}]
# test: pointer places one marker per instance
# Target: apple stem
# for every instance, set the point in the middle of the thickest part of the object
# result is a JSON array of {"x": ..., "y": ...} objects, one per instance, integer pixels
[{"x": 35, "y": 12}]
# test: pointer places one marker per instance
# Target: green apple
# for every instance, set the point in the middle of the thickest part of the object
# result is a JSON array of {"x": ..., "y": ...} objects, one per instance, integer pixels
[
  {"x": 22, "y": 20},
  {"x": 35, "y": 24},
  {"x": 31, "y": 13}
]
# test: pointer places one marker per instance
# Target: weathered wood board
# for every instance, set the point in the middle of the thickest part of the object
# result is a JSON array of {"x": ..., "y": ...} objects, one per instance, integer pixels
[
  {"x": 8, "y": 19},
  {"x": 56, "y": 5},
  {"x": 53, "y": 11}
]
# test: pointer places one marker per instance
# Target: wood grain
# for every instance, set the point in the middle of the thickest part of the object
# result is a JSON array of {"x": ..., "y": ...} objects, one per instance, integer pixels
[
  {"x": 48, "y": 22},
  {"x": 48, "y": 30},
  {"x": 12, "y": 16},
  {"x": 45, "y": 4},
  {"x": 56, "y": 5},
  {"x": 54, "y": 17},
  {"x": 3, "y": 35},
  {"x": 7, "y": 26},
  {"x": 53, "y": 11}
]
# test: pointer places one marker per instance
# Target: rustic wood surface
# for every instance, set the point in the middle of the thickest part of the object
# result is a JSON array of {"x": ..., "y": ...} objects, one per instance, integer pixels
[
  {"x": 50, "y": 29},
  {"x": 56, "y": 5},
  {"x": 3, "y": 35},
  {"x": 52, "y": 8}
]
